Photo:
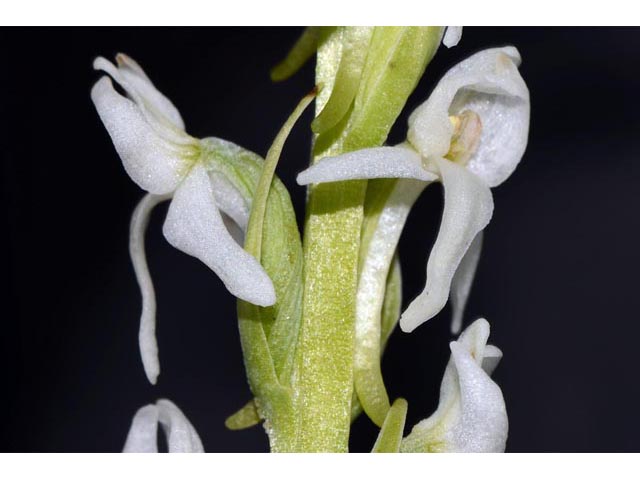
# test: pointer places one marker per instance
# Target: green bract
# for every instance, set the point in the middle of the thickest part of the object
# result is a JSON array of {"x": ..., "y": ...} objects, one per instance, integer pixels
[{"x": 268, "y": 349}]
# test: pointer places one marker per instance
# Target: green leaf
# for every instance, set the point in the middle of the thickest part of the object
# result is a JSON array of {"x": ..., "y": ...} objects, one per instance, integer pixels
[
  {"x": 395, "y": 63},
  {"x": 390, "y": 436},
  {"x": 301, "y": 51},
  {"x": 355, "y": 42},
  {"x": 396, "y": 59}
]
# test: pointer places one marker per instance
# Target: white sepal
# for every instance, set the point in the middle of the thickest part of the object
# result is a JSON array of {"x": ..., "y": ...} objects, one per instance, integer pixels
[
  {"x": 468, "y": 206},
  {"x": 135, "y": 76},
  {"x": 181, "y": 436},
  {"x": 379, "y": 162},
  {"x": 489, "y": 84},
  {"x": 151, "y": 161},
  {"x": 157, "y": 109},
  {"x": 471, "y": 414},
  {"x": 194, "y": 225}
]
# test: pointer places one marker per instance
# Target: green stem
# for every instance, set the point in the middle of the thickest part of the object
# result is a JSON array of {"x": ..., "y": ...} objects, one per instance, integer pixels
[{"x": 323, "y": 379}]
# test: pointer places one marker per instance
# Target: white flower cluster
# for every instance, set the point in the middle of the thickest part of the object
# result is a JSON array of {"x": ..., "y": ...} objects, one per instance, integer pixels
[{"x": 469, "y": 135}]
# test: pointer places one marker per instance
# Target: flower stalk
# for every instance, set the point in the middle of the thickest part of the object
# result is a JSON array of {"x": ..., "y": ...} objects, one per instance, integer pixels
[{"x": 323, "y": 382}]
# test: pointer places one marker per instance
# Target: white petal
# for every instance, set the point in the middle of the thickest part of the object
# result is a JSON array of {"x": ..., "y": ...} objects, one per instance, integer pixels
[
  {"x": 483, "y": 425},
  {"x": 158, "y": 110},
  {"x": 235, "y": 210},
  {"x": 139, "y": 80},
  {"x": 380, "y": 162},
  {"x": 489, "y": 84},
  {"x": 468, "y": 207},
  {"x": 233, "y": 228},
  {"x": 462, "y": 281},
  {"x": 181, "y": 436},
  {"x": 147, "y": 333},
  {"x": 474, "y": 338},
  {"x": 143, "y": 433},
  {"x": 452, "y": 36},
  {"x": 471, "y": 415},
  {"x": 230, "y": 200},
  {"x": 153, "y": 163},
  {"x": 194, "y": 225}
]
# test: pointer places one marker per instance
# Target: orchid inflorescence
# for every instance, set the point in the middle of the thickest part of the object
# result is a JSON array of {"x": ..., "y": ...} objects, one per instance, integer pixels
[{"x": 468, "y": 135}]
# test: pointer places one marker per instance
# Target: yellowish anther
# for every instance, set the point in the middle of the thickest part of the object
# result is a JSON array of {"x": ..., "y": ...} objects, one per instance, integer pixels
[
  {"x": 467, "y": 128},
  {"x": 503, "y": 62}
]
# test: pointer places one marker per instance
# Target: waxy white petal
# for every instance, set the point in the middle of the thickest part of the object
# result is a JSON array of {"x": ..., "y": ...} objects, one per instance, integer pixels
[
  {"x": 153, "y": 163},
  {"x": 143, "y": 434},
  {"x": 233, "y": 228},
  {"x": 138, "y": 79},
  {"x": 380, "y": 162},
  {"x": 471, "y": 414},
  {"x": 452, "y": 36},
  {"x": 147, "y": 334},
  {"x": 235, "y": 209},
  {"x": 468, "y": 206},
  {"x": 194, "y": 225},
  {"x": 489, "y": 84},
  {"x": 157, "y": 109},
  {"x": 474, "y": 339},
  {"x": 462, "y": 281},
  {"x": 181, "y": 436},
  {"x": 483, "y": 426},
  {"x": 230, "y": 200}
]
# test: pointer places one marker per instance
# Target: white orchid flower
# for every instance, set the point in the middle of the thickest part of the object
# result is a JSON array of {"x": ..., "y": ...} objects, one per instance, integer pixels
[
  {"x": 471, "y": 414},
  {"x": 470, "y": 135},
  {"x": 149, "y": 136},
  {"x": 180, "y": 434}
]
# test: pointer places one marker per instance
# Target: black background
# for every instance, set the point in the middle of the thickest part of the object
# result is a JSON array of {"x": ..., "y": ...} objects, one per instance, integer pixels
[{"x": 558, "y": 277}]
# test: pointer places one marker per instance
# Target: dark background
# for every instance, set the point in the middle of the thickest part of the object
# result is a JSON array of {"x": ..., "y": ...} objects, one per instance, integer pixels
[{"x": 557, "y": 280}]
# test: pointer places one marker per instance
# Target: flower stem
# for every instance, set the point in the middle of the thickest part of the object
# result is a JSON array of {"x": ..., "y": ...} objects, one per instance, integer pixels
[{"x": 323, "y": 378}]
